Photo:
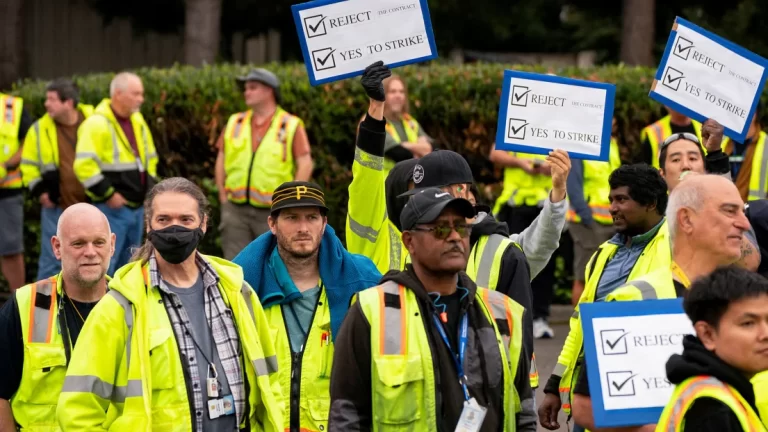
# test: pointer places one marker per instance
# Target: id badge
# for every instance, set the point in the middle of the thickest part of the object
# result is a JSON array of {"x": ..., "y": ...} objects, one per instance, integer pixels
[
  {"x": 212, "y": 385},
  {"x": 214, "y": 408},
  {"x": 472, "y": 417},
  {"x": 228, "y": 405}
]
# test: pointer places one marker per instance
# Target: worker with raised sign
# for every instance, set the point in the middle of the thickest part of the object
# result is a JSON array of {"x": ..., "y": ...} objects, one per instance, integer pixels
[
  {"x": 749, "y": 161},
  {"x": 653, "y": 135},
  {"x": 729, "y": 311}
]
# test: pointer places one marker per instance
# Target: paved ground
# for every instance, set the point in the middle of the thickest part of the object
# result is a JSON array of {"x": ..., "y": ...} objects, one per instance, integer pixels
[{"x": 547, "y": 351}]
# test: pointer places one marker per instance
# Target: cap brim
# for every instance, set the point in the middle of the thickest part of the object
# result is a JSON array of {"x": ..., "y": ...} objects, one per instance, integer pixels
[
  {"x": 464, "y": 207},
  {"x": 295, "y": 205}
]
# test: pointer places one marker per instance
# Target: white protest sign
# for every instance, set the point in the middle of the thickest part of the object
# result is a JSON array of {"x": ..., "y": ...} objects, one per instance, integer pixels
[
  {"x": 340, "y": 39},
  {"x": 705, "y": 76},
  {"x": 627, "y": 345},
  {"x": 539, "y": 113}
]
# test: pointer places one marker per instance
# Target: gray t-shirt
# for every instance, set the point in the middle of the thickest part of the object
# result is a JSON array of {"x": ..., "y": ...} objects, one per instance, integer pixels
[
  {"x": 298, "y": 317},
  {"x": 193, "y": 299}
]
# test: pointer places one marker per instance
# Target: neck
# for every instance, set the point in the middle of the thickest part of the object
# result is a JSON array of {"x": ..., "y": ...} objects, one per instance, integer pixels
[
  {"x": 303, "y": 271},
  {"x": 436, "y": 282},
  {"x": 694, "y": 262},
  {"x": 264, "y": 111},
  {"x": 649, "y": 225},
  {"x": 119, "y": 111},
  {"x": 70, "y": 118},
  {"x": 84, "y": 294},
  {"x": 679, "y": 120},
  {"x": 182, "y": 275}
]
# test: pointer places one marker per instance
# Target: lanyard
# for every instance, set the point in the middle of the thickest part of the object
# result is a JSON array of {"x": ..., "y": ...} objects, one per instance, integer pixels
[
  {"x": 458, "y": 358},
  {"x": 677, "y": 271}
]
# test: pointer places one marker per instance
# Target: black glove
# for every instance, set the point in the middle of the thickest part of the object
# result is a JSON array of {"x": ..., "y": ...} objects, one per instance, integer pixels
[{"x": 372, "y": 80}]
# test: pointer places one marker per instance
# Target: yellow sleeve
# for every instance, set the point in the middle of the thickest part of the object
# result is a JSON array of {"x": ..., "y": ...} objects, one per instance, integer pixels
[
  {"x": 152, "y": 158},
  {"x": 91, "y": 135},
  {"x": 30, "y": 159},
  {"x": 367, "y": 208}
]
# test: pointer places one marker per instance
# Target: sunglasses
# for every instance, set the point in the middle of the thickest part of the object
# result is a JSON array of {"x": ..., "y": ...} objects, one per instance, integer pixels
[
  {"x": 441, "y": 232},
  {"x": 678, "y": 136}
]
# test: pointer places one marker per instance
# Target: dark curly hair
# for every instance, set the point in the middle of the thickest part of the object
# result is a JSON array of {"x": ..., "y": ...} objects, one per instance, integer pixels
[{"x": 645, "y": 184}]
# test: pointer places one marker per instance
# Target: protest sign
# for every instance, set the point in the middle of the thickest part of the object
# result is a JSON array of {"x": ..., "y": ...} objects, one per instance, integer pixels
[
  {"x": 705, "y": 76},
  {"x": 340, "y": 38},
  {"x": 626, "y": 346},
  {"x": 539, "y": 113}
]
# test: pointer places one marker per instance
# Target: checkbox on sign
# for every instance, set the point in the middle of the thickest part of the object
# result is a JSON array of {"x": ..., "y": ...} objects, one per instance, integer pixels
[
  {"x": 517, "y": 129},
  {"x": 621, "y": 383},
  {"x": 323, "y": 59},
  {"x": 683, "y": 48},
  {"x": 315, "y": 26},
  {"x": 520, "y": 95},
  {"x": 614, "y": 341},
  {"x": 672, "y": 78}
]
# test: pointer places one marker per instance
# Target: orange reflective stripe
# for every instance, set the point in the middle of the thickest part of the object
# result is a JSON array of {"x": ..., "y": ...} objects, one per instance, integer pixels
[{"x": 30, "y": 336}]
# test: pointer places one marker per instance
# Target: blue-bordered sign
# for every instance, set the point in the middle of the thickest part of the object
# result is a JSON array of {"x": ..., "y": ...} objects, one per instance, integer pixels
[
  {"x": 539, "y": 113},
  {"x": 705, "y": 76},
  {"x": 626, "y": 346},
  {"x": 340, "y": 38}
]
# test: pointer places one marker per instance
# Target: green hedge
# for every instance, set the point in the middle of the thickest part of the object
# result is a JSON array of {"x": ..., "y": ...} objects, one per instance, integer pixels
[{"x": 187, "y": 108}]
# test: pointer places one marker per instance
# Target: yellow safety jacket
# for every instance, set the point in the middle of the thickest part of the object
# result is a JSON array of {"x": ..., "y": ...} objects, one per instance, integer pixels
[
  {"x": 596, "y": 187},
  {"x": 659, "y": 131},
  {"x": 403, "y": 375},
  {"x": 686, "y": 393},
  {"x": 760, "y": 385},
  {"x": 305, "y": 378},
  {"x": 40, "y": 156},
  {"x": 758, "y": 178},
  {"x": 655, "y": 256},
  {"x": 10, "y": 121},
  {"x": 126, "y": 373},
  {"x": 411, "y": 127},
  {"x": 521, "y": 188},
  {"x": 252, "y": 177},
  {"x": 105, "y": 162}
]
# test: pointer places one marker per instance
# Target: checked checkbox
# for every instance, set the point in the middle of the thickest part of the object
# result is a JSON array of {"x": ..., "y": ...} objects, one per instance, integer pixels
[
  {"x": 614, "y": 341},
  {"x": 315, "y": 26},
  {"x": 621, "y": 383},
  {"x": 683, "y": 48},
  {"x": 672, "y": 78},
  {"x": 520, "y": 95},
  {"x": 517, "y": 129},
  {"x": 323, "y": 59}
]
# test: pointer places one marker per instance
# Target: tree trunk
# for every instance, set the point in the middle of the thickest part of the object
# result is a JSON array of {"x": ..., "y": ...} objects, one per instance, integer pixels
[
  {"x": 202, "y": 31},
  {"x": 637, "y": 33},
  {"x": 11, "y": 42}
]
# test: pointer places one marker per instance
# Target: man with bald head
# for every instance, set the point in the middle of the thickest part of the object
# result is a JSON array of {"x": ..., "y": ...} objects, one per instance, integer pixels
[
  {"x": 116, "y": 162},
  {"x": 40, "y": 324}
]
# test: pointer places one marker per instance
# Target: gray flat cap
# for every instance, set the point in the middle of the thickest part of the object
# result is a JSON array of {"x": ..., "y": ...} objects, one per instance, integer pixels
[{"x": 263, "y": 76}]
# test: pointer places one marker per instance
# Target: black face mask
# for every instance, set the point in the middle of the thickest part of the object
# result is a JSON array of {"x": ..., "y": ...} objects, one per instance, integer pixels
[{"x": 175, "y": 243}]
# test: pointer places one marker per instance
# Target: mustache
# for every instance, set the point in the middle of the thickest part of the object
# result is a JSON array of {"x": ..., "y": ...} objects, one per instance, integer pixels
[{"x": 456, "y": 247}]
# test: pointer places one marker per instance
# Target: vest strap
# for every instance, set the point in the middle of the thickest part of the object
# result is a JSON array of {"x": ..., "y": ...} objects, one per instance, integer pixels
[
  {"x": 495, "y": 241},
  {"x": 42, "y": 311},
  {"x": 393, "y": 336}
]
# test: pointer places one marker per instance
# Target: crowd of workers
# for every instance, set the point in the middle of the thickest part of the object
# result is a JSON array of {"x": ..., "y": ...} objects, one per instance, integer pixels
[{"x": 425, "y": 321}]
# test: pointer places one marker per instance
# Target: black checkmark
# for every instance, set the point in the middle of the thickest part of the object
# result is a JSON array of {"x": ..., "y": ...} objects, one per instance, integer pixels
[
  {"x": 613, "y": 345},
  {"x": 619, "y": 387},
  {"x": 672, "y": 80},
  {"x": 680, "y": 48},
  {"x": 518, "y": 97},
  {"x": 322, "y": 62},
  {"x": 515, "y": 131},
  {"x": 314, "y": 28}
]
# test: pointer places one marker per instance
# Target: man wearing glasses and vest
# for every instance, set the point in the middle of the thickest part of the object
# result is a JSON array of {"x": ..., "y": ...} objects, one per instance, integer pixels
[
  {"x": 259, "y": 150},
  {"x": 427, "y": 349},
  {"x": 41, "y": 323},
  {"x": 653, "y": 135}
]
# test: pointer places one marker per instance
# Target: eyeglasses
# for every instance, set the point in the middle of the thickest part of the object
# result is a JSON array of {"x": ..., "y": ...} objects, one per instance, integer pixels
[
  {"x": 441, "y": 232},
  {"x": 678, "y": 136}
]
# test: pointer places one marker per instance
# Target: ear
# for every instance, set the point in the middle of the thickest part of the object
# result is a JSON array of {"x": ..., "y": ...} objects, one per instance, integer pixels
[
  {"x": 684, "y": 220},
  {"x": 707, "y": 334},
  {"x": 204, "y": 225},
  {"x": 112, "y": 239},
  {"x": 408, "y": 241},
  {"x": 272, "y": 222},
  {"x": 56, "y": 246}
]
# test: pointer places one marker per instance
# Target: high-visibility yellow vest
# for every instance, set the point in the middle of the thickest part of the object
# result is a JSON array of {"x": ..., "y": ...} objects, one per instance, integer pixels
[
  {"x": 523, "y": 189},
  {"x": 10, "y": 121},
  {"x": 253, "y": 177},
  {"x": 758, "y": 178},
  {"x": 760, "y": 385},
  {"x": 687, "y": 392},
  {"x": 659, "y": 131},
  {"x": 655, "y": 256},
  {"x": 411, "y": 127},
  {"x": 104, "y": 152},
  {"x": 484, "y": 267},
  {"x": 313, "y": 401},
  {"x": 596, "y": 187},
  {"x": 41, "y": 149},
  {"x": 45, "y": 362},
  {"x": 403, "y": 375},
  {"x": 126, "y": 373}
]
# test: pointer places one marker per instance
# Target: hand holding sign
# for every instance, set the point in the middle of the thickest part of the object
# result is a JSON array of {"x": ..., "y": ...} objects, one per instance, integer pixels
[
  {"x": 560, "y": 165},
  {"x": 712, "y": 135},
  {"x": 373, "y": 80}
]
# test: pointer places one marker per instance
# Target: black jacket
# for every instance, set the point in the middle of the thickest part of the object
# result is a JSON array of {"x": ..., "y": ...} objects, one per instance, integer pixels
[
  {"x": 351, "y": 387},
  {"x": 706, "y": 414}
]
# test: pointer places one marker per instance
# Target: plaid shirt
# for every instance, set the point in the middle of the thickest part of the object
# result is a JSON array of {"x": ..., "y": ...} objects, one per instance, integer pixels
[{"x": 224, "y": 335}]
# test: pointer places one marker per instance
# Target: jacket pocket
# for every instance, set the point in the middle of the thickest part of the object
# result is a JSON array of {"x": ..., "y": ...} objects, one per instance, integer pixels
[
  {"x": 399, "y": 394},
  {"x": 159, "y": 358},
  {"x": 319, "y": 410},
  {"x": 47, "y": 368}
]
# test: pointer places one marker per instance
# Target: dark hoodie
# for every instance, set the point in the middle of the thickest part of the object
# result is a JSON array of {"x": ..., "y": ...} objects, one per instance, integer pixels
[
  {"x": 396, "y": 184},
  {"x": 707, "y": 414},
  {"x": 351, "y": 386}
]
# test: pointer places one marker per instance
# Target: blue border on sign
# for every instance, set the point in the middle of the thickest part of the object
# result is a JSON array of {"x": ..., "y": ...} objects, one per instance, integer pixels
[
  {"x": 605, "y": 142},
  {"x": 749, "y": 55},
  {"x": 295, "y": 9},
  {"x": 590, "y": 311}
]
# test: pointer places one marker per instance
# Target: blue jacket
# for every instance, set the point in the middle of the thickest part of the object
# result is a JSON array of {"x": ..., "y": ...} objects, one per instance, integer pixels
[{"x": 343, "y": 274}]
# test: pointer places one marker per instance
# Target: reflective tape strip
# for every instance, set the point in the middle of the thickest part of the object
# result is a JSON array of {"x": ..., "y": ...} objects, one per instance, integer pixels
[
  {"x": 41, "y": 319},
  {"x": 534, "y": 372},
  {"x": 96, "y": 386},
  {"x": 646, "y": 289},
  {"x": 756, "y": 194},
  {"x": 261, "y": 197},
  {"x": 395, "y": 249},
  {"x": 238, "y": 124},
  {"x": 683, "y": 400},
  {"x": 392, "y": 337},
  {"x": 146, "y": 148},
  {"x": 34, "y": 183},
  {"x": 115, "y": 144},
  {"x": 247, "y": 292},
  {"x": 89, "y": 155},
  {"x": 93, "y": 181},
  {"x": 128, "y": 311},
  {"x": 9, "y": 109},
  {"x": 363, "y": 231},
  {"x": 118, "y": 167},
  {"x": 48, "y": 167},
  {"x": 368, "y": 160},
  {"x": 37, "y": 135},
  {"x": 487, "y": 256},
  {"x": 497, "y": 304},
  {"x": 30, "y": 162},
  {"x": 559, "y": 369},
  {"x": 265, "y": 366}
]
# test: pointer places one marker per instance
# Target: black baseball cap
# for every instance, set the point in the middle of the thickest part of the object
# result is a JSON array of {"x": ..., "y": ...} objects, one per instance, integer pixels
[
  {"x": 298, "y": 194},
  {"x": 426, "y": 205},
  {"x": 440, "y": 168},
  {"x": 757, "y": 214}
]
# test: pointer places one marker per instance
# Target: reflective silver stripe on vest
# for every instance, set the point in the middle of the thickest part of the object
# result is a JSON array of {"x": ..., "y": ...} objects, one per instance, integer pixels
[
  {"x": 238, "y": 124},
  {"x": 128, "y": 310},
  {"x": 395, "y": 249},
  {"x": 487, "y": 256},
  {"x": 118, "y": 167},
  {"x": 9, "y": 109},
  {"x": 265, "y": 366},
  {"x": 34, "y": 183},
  {"x": 42, "y": 316},
  {"x": 369, "y": 161},
  {"x": 393, "y": 320},
  {"x": 559, "y": 369},
  {"x": 96, "y": 386},
  {"x": 47, "y": 167},
  {"x": 686, "y": 394},
  {"x": 497, "y": 304},
  {"x": 89, "y": 155},
  {"x": 92, "y": 181},
  {"x": 646, "y": 289},
  {"x": 146, "y": 149},
  {"x": 39, "y": 148},
  {"x": 247, "y": 292},
  {"x": 363, "y": 231}
]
